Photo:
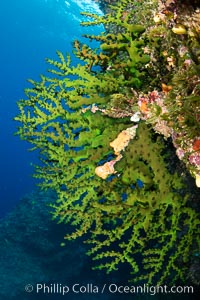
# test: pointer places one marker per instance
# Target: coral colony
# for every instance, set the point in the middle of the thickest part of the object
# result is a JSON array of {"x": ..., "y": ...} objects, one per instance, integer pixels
[{"x": 101, "y": 128}]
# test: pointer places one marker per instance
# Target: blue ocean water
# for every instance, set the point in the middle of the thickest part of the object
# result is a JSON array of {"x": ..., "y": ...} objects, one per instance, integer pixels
[{"x": 30, "y": 32}]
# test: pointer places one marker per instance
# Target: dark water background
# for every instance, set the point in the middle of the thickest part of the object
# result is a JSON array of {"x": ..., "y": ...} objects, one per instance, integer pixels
[{"x": 31, "y": 30}]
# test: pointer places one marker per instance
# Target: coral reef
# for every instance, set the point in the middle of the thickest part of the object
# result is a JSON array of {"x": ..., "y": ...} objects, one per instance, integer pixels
[
  {"x": 169, "y": 98},
  {"x": 142, "y": 224},
  {"x": 135, "y": 210}
]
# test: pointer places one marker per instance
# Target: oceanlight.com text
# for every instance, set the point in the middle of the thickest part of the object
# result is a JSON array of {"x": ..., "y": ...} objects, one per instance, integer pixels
[{"x": 111, "y": 288}]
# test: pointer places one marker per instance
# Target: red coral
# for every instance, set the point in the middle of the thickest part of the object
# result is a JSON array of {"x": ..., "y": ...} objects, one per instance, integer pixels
[{"x": 196, "y": 145}]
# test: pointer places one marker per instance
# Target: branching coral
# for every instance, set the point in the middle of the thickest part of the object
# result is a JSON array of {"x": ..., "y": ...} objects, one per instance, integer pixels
[
  {"x": 143, "y": 224},
  {"x": 172, "y": 43},
  {"x": 76, "y": 117},
  {"x": 123, "y": 50}
]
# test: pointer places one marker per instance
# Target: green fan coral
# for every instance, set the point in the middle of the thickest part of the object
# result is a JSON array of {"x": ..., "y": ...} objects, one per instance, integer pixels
[
  {"x": 150, "y": 228},
  {"x": 72, "y": 141},
  {"x": 123, "y": 49},
  {"x": 144, "y": 224}
]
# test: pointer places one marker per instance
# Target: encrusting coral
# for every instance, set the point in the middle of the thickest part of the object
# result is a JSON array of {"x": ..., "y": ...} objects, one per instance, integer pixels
[{"x": 137, "y": 213}]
